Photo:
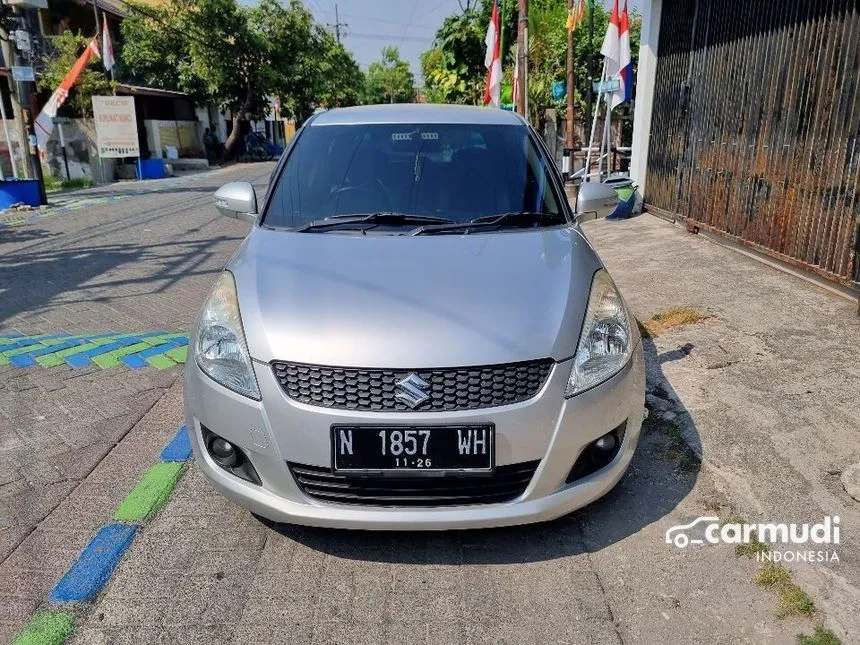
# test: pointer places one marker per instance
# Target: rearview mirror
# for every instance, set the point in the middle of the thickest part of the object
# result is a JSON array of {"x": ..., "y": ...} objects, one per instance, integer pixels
[
  {"x": 595, "y": 201},
  {"x": 238, "y": 201}
]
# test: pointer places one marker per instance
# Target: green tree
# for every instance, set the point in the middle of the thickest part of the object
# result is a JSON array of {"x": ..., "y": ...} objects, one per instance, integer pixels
[
  {"x": 454, "y": 69},
  {"x": 237, "y": 56},
  {"x": 389, "y": 80},
  {"x": 341, "y": 80},
  {"x": 92, "y": 81}
]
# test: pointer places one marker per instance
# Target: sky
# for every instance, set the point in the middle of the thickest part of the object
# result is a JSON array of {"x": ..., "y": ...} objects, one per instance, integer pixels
[{"x": 371, "y": 25}]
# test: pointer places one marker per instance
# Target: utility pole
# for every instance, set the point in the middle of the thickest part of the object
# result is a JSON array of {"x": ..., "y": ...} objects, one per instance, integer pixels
[
  {"x": 523, "y": 57},
  {"x": 337, "y": 24},
  {"x": 590, "y": 91},
  {"x": 22, "y": 106},
  {"x": 567, "y": 156},
  {"x": 23, "y": 139}
]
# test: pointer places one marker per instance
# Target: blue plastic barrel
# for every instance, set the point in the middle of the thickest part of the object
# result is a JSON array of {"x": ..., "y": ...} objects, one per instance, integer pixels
[
  {"x": 150, "y": 169},
  {"x": 16, "y": 191}
]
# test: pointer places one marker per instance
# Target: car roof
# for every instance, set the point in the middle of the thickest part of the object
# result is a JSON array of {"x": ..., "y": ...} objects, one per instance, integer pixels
[{"x": 417, "y": 113}]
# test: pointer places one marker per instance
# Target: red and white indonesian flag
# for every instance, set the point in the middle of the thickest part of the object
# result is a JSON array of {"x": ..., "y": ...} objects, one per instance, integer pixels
[
  {"x": 44, "y": 123},
  {"x": 107, "y": 47},
  {"x": 616, "y": 49},
  {"x": 492, "y": 61}
]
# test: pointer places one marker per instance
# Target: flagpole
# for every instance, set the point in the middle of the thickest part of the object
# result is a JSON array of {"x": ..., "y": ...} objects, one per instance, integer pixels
[
  {"x": 587, "y": 174},
  {"x": 96, "y": 14},
  {"x": 502, "y": 34}
]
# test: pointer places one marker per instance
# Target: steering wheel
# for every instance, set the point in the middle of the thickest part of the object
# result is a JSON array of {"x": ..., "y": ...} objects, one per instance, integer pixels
[{"x": 372, "y": 195}]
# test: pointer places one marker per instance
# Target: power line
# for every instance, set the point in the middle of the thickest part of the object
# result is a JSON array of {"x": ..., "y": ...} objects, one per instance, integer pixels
[
  {"x": 360, "y": 18},
  {"x": 408, "y": 22},
  {"x": 411, "y": 39},
  {"x": 434, "y": 8}
]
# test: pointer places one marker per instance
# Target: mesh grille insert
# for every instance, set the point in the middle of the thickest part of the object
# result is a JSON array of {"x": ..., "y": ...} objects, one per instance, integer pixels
[{"x": 450, "y": 389}]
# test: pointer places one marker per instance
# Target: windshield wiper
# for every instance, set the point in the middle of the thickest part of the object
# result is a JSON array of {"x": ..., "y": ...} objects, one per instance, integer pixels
[
  {"x": 336, "y": 221},
  {"x": 517, "y": 219}
]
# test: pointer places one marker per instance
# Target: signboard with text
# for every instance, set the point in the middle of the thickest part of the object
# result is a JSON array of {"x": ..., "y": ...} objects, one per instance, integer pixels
[
  {"x": 23, "y": 74},
  {"x": 116, "y": 126}
]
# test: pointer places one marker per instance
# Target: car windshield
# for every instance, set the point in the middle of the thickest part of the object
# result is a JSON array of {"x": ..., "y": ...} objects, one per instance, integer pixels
[{"x": 452, "y": 172}]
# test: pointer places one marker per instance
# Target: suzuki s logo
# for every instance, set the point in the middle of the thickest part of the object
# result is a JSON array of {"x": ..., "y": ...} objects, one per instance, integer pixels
[{"x": 411, "y": 390}]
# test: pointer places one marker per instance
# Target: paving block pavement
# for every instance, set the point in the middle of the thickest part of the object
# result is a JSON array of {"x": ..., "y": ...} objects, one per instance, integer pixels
[
  {"x": 145, "y": 262},
  {"x": 142, "y": 262},
  {"x": 38, "y": 562}
]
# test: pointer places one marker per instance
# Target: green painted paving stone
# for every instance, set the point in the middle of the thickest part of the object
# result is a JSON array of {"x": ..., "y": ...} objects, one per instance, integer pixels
[
  {"x": 52, "y": 360},
  {"x": 47, "y": 628},
  {"x": 151, "y": 492},
  {"x": 180, "y": 354},
  {"x": 160, "y": 362},
  {"x": 35, "y": 346},
  {"x": 111, "y": 359}
]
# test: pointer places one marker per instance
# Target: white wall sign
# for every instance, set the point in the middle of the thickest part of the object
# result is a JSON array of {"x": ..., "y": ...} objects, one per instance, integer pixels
[{"x": 116, "y": 126}]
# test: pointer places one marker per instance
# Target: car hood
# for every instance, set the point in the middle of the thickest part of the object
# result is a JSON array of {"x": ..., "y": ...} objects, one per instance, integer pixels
[{"x": 413, "y": 302}]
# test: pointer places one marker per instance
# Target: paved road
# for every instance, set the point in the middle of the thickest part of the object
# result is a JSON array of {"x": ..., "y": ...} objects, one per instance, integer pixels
[
  {"x": 139, "y": 262},
  {"x": 204, "y": 570}
]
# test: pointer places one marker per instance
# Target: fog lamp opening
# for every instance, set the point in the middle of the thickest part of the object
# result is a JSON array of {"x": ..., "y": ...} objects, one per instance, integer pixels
[
  {"x": 598, "y": 454},
  {"x": 229, "y": 456}
]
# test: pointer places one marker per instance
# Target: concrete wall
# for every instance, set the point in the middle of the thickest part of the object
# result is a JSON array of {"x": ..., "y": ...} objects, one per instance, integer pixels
[
  {"x": 647, "y": 73},
  {"x": 186, "y": 136},
  {"x": 5, "y": 162},
  {"x": 82, "y": 153}
]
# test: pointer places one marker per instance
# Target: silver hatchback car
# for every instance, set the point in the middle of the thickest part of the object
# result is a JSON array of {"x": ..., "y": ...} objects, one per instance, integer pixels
[{"x": 415, "y": 333}]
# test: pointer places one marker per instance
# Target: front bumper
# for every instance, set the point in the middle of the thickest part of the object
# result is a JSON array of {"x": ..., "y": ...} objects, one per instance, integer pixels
[{"x": 548, "y": 427}]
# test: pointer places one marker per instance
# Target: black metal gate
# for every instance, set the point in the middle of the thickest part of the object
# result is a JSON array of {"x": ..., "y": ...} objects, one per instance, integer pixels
[{"x": 755, "y": 132}]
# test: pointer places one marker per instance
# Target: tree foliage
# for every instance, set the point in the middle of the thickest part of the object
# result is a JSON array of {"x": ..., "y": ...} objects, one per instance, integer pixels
[
  {"x": 454, "y": 69},
  {"x": 389, "y": 80},
  {"x": 237, "y": 56},
  {"x": 92, "y": 82}
]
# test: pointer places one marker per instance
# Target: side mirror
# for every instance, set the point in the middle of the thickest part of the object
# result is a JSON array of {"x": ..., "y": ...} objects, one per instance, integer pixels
[
  {"x": 238, "y": 201},
  {"x": 595, "y": 201}
]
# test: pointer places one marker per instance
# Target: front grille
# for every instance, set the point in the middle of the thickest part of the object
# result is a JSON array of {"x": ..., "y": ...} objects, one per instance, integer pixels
[
  {"x": 456, "y": 388},
  {"x": 504, "y": 484}
]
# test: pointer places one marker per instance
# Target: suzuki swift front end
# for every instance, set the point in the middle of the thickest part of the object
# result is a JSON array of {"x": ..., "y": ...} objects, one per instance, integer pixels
[{"x": 415, "y": 334}]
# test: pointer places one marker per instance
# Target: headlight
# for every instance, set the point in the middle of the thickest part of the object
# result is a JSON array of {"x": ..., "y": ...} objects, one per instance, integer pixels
[
  {"x": 604, "y": 344},
  {"x": 220, "y": 348}
]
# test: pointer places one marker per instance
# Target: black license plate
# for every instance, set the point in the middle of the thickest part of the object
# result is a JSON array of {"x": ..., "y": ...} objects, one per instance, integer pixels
[{"x": 413, "y": 448}]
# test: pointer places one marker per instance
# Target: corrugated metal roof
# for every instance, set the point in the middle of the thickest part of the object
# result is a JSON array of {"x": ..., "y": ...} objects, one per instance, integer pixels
[
  {"x": 115, "y": 7},
  {"x": 125, "y": 88}
]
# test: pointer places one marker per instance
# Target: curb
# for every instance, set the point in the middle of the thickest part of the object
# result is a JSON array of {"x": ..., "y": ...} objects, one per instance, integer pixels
[{"x": 94, "y": 566}]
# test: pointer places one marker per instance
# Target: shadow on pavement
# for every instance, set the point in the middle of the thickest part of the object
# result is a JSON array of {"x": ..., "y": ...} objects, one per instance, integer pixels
[
  {"x": 30, "y": 280},
  {"x": 23, "y": 234},
  {"x": 661, "y": 475}
]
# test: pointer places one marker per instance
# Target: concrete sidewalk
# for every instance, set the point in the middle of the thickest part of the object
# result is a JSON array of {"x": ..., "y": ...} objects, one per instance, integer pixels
[{"x": 771, "y": 384}]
